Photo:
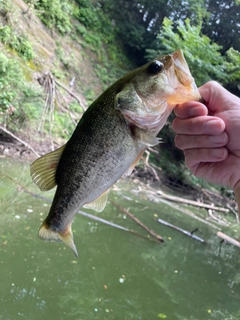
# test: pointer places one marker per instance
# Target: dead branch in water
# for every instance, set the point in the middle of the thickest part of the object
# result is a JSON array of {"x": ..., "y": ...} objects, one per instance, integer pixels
[
  {"x": 191, "y": 202},
  {"x": 155, "y": 235},
  {"x": 214, "y": 218},
  {"x": 225, "y": 237},
  {"x": 189, "y": 213},
  {"x": 187, "y": 233},
  {"x": 90, "y": 216},
  {"x": 19, "y": 140}
]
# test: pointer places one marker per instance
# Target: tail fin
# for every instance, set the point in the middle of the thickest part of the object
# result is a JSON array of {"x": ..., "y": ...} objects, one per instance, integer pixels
[{"x": 45, "y": 233}]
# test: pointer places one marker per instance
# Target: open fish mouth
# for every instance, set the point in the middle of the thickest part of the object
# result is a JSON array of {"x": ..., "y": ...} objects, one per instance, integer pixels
[{"x": 182, "y": 71}]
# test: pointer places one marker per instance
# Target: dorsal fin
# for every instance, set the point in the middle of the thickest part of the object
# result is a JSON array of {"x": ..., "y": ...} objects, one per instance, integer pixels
[
  {"x": 43, "y": 170},
  {"x": 98, "y": 204}
]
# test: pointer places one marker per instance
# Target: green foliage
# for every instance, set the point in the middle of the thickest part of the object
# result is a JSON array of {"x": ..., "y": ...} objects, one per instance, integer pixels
[
  {"x": 67, "y": 60},
  {"x": 88, "y": 15},
  {"x": 222, "y": 23},
  {"x": 6, "y": 7},
  {"x": 19, "y": 43},
  {"x": 95, "y": 19},
  {"x": 98, "y": 34},
  {"x": 8, "y": 71},
  {"x": 90, "y": 39},
  {"x": 15, "y": 92},
  {"x": 232, "y": 65},
  {"x": 54, "y": 13},
  {"x": 203, "y": 56},
  {"x": 138, "y": 21}
]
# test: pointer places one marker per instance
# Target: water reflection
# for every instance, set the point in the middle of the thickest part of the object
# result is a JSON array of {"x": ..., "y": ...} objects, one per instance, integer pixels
[{"x": 117, "y": 275}]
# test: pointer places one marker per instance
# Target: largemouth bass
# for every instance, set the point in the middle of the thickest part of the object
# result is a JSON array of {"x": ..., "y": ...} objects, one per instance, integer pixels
[{"x": 109, "y": 140}]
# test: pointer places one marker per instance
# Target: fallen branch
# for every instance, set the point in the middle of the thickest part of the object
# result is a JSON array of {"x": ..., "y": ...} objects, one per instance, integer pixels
[
  {"x": 191, "y": 202},
  {"x": 189, "y": 213},
  {"x": 228, "y": 239},
  {"x": 219, "y": 221},
  {"x": 90, "y": 216},
  {"x": 19, "y": 140},
  {"x": 155, "y": 235},
  {"x": 146, "y": 162},
  {"x": 53, "y": 98},
  {"x": 81, "y": 103},
  {"x": 187, "y": 233}
]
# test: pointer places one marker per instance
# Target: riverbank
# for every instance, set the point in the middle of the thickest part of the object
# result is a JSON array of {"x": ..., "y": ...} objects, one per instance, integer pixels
[{"x": 26, "y": 147}]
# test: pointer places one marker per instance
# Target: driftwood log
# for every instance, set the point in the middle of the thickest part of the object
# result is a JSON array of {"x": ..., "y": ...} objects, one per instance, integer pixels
[
  {"x": 191, "y": 202},
  {"x": 231, "y": 240}
]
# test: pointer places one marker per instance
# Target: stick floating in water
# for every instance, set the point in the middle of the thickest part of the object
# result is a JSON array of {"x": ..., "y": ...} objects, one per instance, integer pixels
[
  {"x": 187, "y": 233},
  {"x": 225, "y": 237}
]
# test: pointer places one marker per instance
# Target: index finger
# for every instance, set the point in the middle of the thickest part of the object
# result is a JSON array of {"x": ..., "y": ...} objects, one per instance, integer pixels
[{"x": 190, "y": 109}]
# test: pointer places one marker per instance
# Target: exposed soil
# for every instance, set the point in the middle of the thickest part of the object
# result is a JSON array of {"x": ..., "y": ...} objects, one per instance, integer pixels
[{"x": 46, "y": 45}]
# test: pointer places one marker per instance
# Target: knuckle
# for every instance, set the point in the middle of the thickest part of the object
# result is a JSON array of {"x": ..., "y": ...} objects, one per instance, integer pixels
[
  {"x": 175, "y": 125},
  {"x": 178, "y": 141}
]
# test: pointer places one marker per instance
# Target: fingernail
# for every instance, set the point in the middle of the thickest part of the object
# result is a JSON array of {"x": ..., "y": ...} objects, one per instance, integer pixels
[
  {"x": 220, "y": 138},
  {"x": 219, "y": 153},
  {"x": 213, "y": 126}
]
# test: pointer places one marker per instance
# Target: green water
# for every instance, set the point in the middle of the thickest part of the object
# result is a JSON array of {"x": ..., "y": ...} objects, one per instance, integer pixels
[{"x": 118, "y": 275}]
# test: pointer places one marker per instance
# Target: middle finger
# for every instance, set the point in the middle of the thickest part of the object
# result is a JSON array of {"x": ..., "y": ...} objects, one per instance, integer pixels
[
  {"x": 199, "y": 125},
  {"x": 185, "y": 142}
]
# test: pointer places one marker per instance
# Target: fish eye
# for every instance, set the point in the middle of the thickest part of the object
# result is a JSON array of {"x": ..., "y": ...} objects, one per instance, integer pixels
[{"x": 155, "y": 67}]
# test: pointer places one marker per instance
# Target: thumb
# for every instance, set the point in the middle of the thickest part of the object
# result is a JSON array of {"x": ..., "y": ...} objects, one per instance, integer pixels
[{"x": 216, "y": 97}]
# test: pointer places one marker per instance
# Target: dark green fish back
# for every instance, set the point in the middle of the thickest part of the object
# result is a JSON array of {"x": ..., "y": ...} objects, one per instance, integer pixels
[{"x": 99, "y": 152}]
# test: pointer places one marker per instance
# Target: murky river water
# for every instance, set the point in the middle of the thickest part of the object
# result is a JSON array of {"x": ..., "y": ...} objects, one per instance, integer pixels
[{"x": 118, "y": 275}]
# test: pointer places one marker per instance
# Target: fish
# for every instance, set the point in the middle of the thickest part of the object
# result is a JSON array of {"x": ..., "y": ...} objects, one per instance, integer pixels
[{"x": 109, "y": 139}]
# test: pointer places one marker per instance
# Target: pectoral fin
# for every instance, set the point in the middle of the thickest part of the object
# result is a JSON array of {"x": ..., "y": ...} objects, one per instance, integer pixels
[
  {"x": 146, "y": 138},
  {"x": 43, "y": 170},
  {"x": 98, "y": 204}
]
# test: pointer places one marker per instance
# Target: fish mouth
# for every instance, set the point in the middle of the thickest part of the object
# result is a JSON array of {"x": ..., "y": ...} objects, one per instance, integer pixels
[{"x": 181, "y": 69}]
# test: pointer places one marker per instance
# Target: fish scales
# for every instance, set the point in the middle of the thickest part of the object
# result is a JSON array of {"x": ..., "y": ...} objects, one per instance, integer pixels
[
  {"x": 98, "y": 157},
  {"x": 109, "y": 139}
]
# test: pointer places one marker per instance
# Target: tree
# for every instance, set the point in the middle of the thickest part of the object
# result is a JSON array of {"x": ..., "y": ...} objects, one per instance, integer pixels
[
  {"x": 138, "y": 22},
  {"x": 203, "y": 55},
  {"x": 222, "y": 24}
]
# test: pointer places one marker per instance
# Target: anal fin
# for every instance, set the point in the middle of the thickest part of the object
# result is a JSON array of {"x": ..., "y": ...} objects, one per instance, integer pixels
[{"x": 98, "y": 204}]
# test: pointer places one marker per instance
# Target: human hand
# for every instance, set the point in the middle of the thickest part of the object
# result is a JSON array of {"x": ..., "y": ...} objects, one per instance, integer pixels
[{"x": 209, "y": 135}]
